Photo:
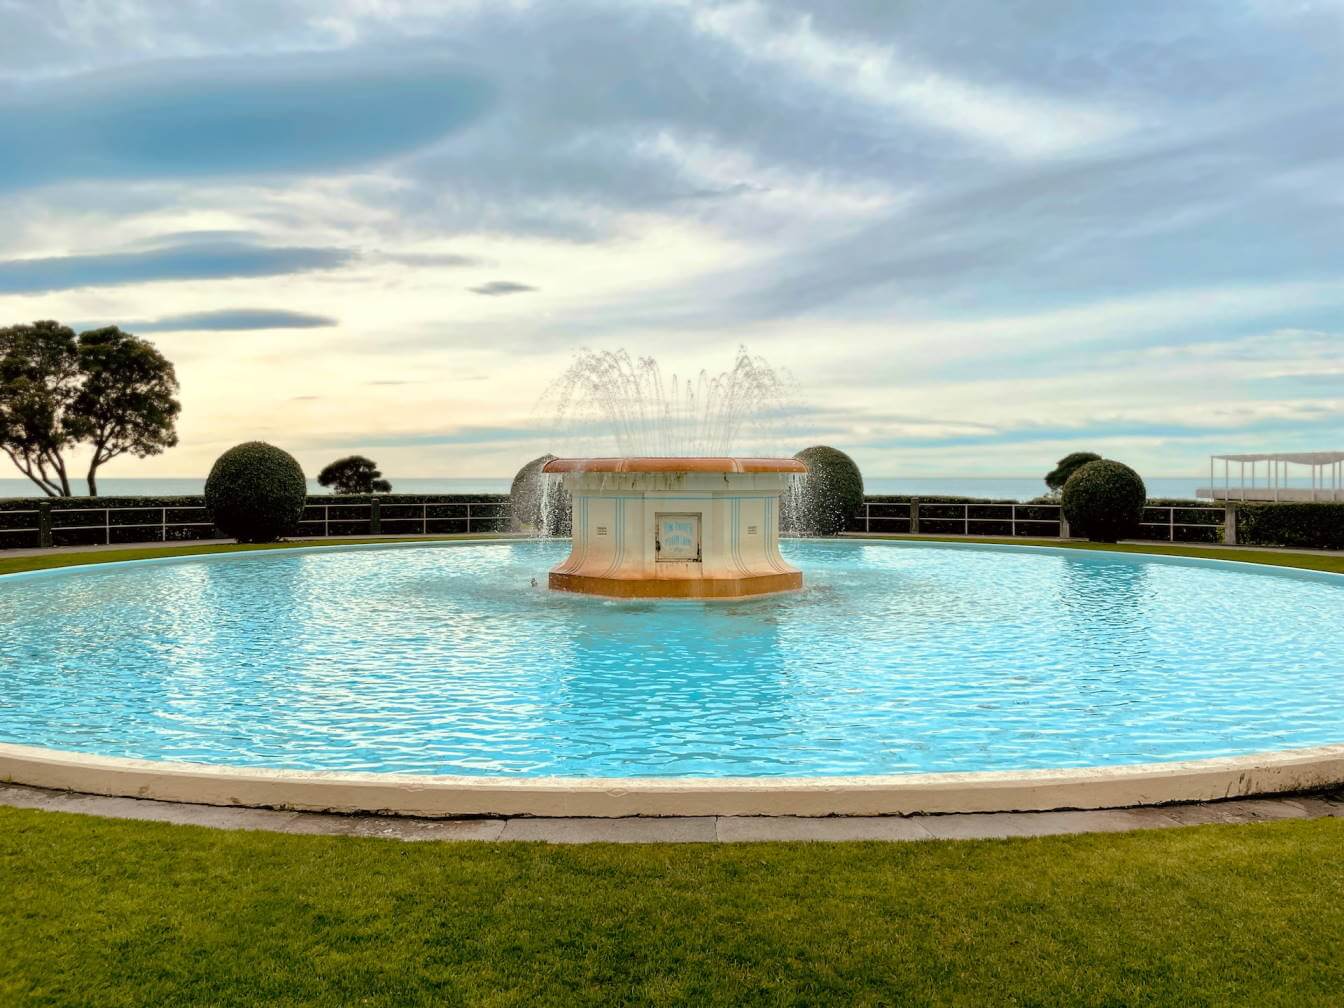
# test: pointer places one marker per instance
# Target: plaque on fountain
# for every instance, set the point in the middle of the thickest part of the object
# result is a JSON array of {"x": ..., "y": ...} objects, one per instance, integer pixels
[{"x": 677, "y": 537}]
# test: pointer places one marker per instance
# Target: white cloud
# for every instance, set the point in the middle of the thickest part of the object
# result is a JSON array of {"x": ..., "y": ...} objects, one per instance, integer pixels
[{"x": 1015, "y": 121}]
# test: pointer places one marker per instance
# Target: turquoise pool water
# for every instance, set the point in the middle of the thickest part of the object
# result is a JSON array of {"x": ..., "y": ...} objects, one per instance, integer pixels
[{"x": 896, "y": 657}]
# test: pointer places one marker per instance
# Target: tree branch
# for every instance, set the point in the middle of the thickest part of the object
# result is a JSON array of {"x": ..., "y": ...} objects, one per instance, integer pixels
[{"x": 25, "y": 467}]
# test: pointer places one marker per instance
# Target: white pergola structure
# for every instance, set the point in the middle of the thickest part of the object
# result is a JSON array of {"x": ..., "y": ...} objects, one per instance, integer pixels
[{"x": 1267, "y": 478}]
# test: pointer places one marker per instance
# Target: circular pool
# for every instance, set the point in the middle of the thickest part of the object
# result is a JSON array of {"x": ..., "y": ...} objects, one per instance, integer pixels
[{"x": 897, "y": 658}]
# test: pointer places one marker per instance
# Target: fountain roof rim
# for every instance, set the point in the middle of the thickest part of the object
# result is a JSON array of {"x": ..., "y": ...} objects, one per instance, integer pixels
[{"x": 674, "y": 464}]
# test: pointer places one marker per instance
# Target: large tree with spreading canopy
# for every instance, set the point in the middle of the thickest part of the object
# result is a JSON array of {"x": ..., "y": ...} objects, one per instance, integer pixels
[{"x": 105, "y": 388}]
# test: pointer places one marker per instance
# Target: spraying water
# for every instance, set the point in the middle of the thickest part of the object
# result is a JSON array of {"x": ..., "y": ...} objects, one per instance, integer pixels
[{"x": 609, "y": 403}]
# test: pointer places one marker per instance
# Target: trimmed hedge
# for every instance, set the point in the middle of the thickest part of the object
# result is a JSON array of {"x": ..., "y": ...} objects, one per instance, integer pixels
[
  {"x": 1104, "y": 500},
  {"x": 256, "y": 492},
  {"x": 527, "y": 497},
  {"x": 829, "y": 495},
  {"x": 1303, "y": 525}
]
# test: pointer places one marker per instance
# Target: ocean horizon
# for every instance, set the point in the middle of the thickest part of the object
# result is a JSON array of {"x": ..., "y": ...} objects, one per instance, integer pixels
[{"x": 1019, "y": 488}]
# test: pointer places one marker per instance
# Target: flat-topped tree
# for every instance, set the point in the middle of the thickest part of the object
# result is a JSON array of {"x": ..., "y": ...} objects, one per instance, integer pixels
[
  {"x": 1066, "y": 467},
  {"x": 105, "y": 388},
  {"x": 128, "y": 403},
  {"x": 354, "y": 474}
]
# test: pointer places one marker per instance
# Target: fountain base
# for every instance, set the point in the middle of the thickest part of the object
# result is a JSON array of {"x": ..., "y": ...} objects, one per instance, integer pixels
[
  {"x": 677, "y": 588},
  {"x": 675, "y": 528}
]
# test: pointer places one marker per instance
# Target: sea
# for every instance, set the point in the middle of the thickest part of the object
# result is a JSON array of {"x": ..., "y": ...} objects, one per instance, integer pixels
[{"x": 1020, "y": 488}]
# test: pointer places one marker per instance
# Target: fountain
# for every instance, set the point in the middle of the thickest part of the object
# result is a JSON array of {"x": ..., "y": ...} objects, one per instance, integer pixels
[
  {"x": 674, "y": 514},
  {"x": 651, "y": 527}
]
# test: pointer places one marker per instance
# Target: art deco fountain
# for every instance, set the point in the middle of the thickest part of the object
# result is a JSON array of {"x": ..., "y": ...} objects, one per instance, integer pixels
[
  {"x": 666, "y": 527},
  {"x": 685, "y": 519}
]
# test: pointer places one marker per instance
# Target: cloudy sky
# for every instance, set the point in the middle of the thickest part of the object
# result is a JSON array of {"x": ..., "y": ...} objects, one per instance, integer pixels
[{"x": 979, "y": 235}]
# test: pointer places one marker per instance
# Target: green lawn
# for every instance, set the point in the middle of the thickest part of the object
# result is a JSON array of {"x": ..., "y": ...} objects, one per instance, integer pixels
[{"x": 108, "y": 912}]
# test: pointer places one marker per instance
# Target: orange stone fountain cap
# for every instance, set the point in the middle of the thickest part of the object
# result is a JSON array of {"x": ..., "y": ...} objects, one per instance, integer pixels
[{"x": 663, "y": 464}]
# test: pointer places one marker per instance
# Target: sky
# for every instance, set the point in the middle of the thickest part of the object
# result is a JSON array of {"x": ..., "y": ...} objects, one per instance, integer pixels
[{"x": 978, "y": 235}]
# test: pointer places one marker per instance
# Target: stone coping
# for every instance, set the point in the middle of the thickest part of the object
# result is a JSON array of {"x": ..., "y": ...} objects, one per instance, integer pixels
[
  {"x": 1289, "y": 771},
  {"x": 685, "y": 829}
]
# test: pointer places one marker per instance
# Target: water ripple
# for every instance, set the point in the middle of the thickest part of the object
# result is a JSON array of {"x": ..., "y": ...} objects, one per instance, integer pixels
[{"x": 443, "y": 659}]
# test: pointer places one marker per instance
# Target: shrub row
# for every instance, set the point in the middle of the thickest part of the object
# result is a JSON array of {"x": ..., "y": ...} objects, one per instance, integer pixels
[{"x": 1302, "y": 525}]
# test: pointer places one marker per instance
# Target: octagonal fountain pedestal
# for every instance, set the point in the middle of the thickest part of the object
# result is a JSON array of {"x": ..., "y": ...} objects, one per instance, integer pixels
[{"x": 688, "y": 528}]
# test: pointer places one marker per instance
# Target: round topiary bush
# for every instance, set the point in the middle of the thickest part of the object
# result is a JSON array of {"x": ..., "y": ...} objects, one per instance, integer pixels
[
  {"x": 1104, "y": 500},
  {"x": 828, "y": 496},
  {"x": 256, "y": 492},
  {"x": 539, "y": 503}
]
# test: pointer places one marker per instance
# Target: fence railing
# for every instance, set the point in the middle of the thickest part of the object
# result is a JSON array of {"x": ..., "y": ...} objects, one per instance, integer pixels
[
  {"x": 1162, "y": 522},
  {"x": 49, "y": 525},
  {"x": 107, "y": 525}
]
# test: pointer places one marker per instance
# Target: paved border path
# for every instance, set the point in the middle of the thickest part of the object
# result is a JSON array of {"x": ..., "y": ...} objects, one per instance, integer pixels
[{"x": 687, "y": 829}]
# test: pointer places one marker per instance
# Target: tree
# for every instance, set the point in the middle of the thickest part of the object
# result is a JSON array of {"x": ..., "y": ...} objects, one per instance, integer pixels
[
  {"x": 39, "y": 381},
  {"x": 354, "y": 474},
  {"x": 1066, "y": 467},
  {"x": 107, "y": 388},
  {"x": 127, "y": 404}
]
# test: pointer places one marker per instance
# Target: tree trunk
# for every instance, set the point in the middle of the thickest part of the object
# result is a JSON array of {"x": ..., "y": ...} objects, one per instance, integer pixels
[{"x": 58, "y": 464}]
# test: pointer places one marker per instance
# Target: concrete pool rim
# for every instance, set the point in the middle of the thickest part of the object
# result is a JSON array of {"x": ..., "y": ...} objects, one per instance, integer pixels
[
  {"x": 1126, "y": 786},
  {"x": 1119, "y": 786}
]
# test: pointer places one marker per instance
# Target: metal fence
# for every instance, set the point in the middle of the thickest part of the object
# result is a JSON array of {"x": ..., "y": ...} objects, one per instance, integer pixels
[
  {"x": 390, "y": 518},
  {"x": 51, "y": 524},
  {"x": 1161, "y": 522}
]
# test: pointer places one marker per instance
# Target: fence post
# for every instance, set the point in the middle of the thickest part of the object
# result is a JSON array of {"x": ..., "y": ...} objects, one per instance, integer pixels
[
  {"x": 1230, "y": 524},
  {"x": 1064, "y": 532},
  {"x": 163, "y": 524},
  {"x": 468, "y": 517},
  {"x": 44, "y": 524},
  {"x": 375, "y": 517},
  {"x": 1013, "y": 518},
  {"x": 914, "y": 516}
]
